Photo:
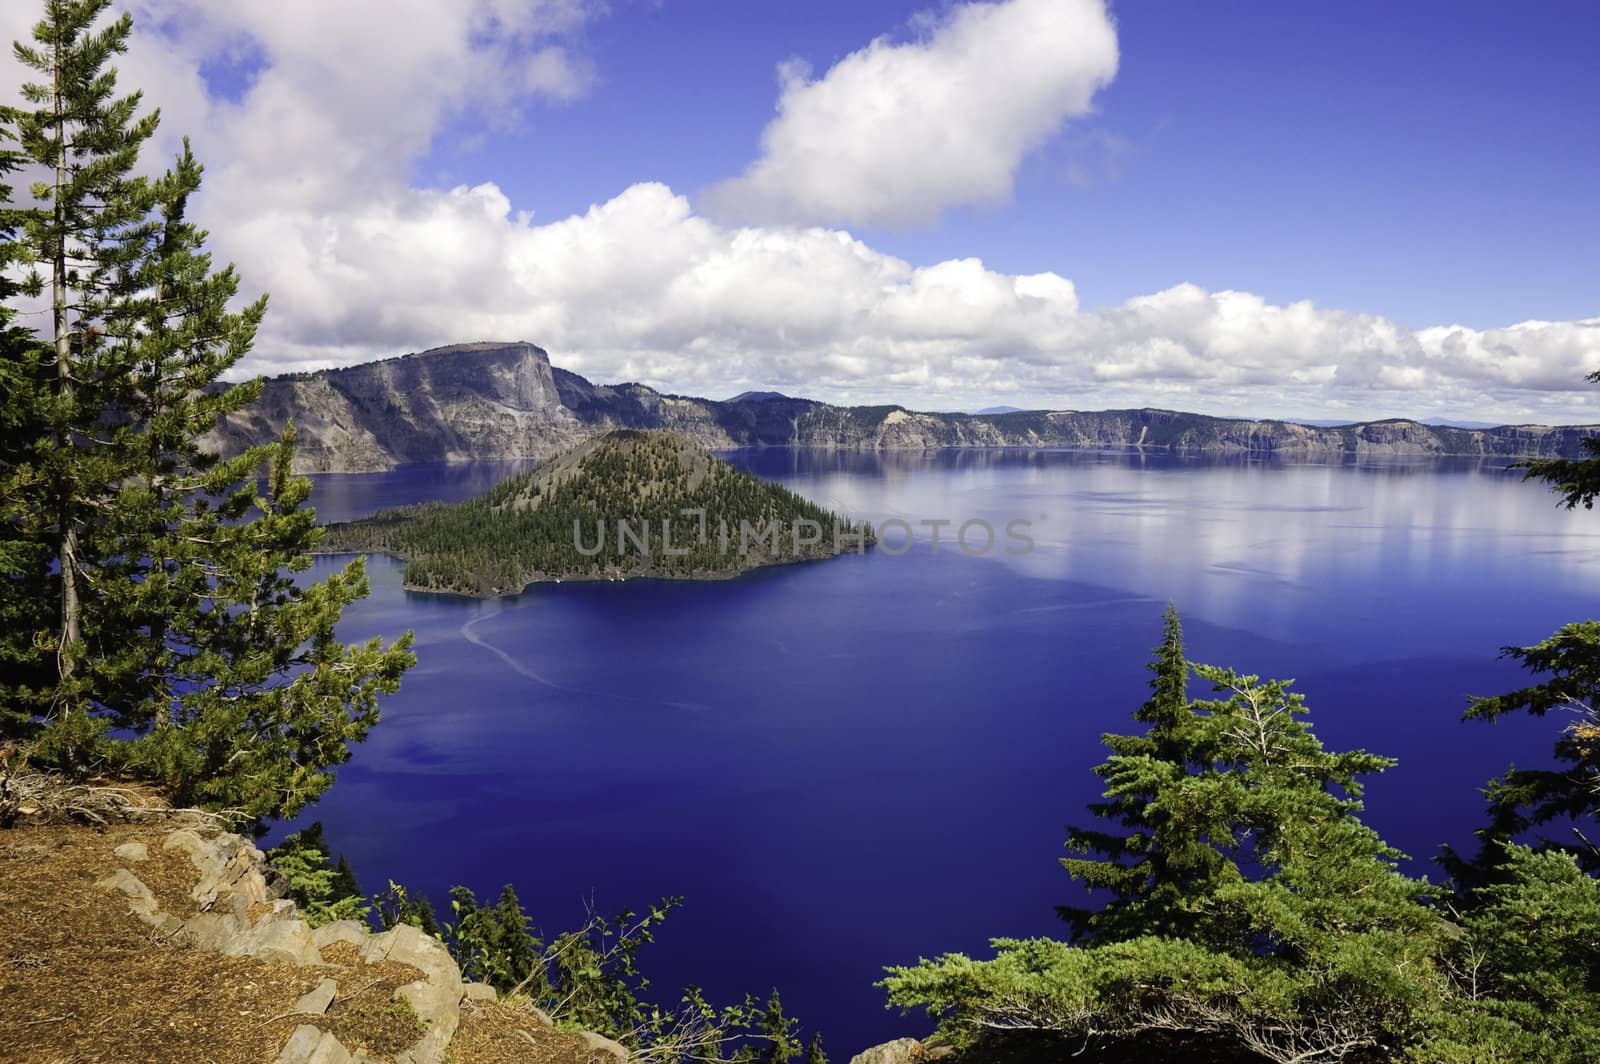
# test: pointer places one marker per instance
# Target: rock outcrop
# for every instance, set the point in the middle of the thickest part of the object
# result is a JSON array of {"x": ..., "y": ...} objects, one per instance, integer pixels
[
  {"x": 506, "y": 401},
  {"x": 902, "y": 1051},
  {"x": 237, "y": 912}
]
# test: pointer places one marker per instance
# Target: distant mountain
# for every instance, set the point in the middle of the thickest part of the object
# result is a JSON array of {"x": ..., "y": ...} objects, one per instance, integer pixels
[
  {"x": 755, "y": 397},
  {"x": 1460, "y": 424},
  {"x": 620, "y": 505},
  {"x": 999, "y": 410},
  {"x": 505, "y": 400},
  {"x": 1323, "y": 423}
]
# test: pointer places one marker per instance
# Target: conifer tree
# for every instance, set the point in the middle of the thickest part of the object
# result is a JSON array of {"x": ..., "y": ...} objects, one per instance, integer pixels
[
  {"x": 1576, "y": 480},
  {"x": 775, "y": 1040},
  {"x": 1158, "y": 864},
  {"x": 1568, "y": 662},
  {"x": 814, "y": 1053},
  {"x": 155, "y": 593},
  {"x": 322, "y": 892},
  {"x": 1277, "y": 923}
]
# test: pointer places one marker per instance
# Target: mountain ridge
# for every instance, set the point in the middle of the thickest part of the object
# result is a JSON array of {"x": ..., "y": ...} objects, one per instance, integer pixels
[{"x": 494, "y": 400}]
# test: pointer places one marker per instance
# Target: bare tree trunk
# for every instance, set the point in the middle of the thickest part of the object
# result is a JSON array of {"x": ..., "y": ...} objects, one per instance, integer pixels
[{"x": 71, "y": 621}]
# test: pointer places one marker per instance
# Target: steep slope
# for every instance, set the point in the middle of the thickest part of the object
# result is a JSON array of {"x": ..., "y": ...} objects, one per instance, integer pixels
[
  {"x": 505, "y": 400},
  {"x": 625, "y": 504}
]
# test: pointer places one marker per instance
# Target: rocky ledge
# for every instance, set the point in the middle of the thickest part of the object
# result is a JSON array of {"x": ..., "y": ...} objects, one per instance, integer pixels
[{"x": 235, "y": 909}]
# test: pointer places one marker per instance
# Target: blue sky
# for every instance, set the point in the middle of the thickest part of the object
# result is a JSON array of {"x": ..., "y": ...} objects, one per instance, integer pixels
[
  {"x": 1432, "y": 162},
  {"x": 1342, "y": 210}
]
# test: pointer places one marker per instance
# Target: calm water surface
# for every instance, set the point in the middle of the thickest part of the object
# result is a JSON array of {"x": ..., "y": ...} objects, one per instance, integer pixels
[{"x": 859, "y": 762}]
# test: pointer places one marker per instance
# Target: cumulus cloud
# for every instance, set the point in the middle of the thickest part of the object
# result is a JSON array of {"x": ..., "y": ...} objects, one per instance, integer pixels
[
  {"x": 308, "y": 192},
  {"x": 642, "y": 288},
  {"x": 894, "y": 134}
]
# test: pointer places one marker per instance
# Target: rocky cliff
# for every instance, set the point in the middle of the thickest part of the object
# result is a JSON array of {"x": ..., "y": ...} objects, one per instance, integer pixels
[{"x": 505, "y": 400}]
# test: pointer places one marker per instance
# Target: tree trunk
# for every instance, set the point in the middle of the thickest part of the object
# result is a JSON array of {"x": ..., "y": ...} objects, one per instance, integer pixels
[{"x": 71, "y": 623}]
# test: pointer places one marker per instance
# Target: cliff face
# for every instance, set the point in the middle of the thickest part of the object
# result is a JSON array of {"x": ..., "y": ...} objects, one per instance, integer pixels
[{"x": 505, "y": 400}]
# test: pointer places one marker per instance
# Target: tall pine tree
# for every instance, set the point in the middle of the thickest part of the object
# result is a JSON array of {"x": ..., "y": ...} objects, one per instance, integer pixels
[
  {"x": 1568, "y": 665},
  {"x": 1252, "y": 910},
  {"x": 1157, "y": 864},
  {"x": 156, "y": 594}
]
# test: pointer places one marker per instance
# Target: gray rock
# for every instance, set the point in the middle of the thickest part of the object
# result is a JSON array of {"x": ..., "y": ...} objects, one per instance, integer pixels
[
  {"x": 542, "y": 1016},
  {"x": 275, "y": 941},
  {"x": 311, "y": 1045},
  {"x": 132, "y": 852},
  {"x": 438, "y": 1004},
  {"x": 478, "y": 993},
  {"x": 207, "y": 859},
  {"x": 140, "y": 900},
  {"x": 330, "y": 1051},
  {"x": 436, "y": 998},
  {"x": 210, "y": 931},
  {"x": 431, "y": 1048},
  {"x": 600, "y": 1048},
  {"x": 900, "y": 1051},
  {"x": 340, "y": 931},
  {"x": 301, "y": 1044},
  {"x": 315, "y": 1001}
]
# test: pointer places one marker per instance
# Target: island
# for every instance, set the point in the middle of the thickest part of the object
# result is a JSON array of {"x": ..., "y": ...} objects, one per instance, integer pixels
[{"x": 627, "y": 504}]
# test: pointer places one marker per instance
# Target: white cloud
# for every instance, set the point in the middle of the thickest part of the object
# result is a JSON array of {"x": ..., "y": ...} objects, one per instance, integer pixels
[
  {"x": 307, "y": 191},
  {"x": 894, "y": 134},
  {"x": 642, "y": 288}
]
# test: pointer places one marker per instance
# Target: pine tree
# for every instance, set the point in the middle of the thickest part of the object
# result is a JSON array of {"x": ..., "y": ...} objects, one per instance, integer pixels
[
  {"x": 1576, "y": 480},
  {"x": 86, "y": 237},
  {"x": 775, "y": 1041},
  {"x": 172, "y": 612},
  {"x": 814, "y": 1053},
  {"x": 1278, "y": 923},
  {"x": 518, "y": 949},
  {"x": 1569, "y": 663},
  {"x": 1158, "y": 864},
  {"x": 345, "y": 883}
]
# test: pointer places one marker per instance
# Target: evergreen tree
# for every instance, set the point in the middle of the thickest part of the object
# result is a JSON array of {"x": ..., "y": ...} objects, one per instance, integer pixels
[
  {"x": 1158, "y": 864},
  {"x": 320, "y": 891},
  {"x": 345, "y": 884},
  {"x": 775, "y": 1042},
  {"x": 1276, "y": 924},
  {"x": 518, "y": 950},
  {"x": 1576, "y": 480},
  {"x": 87, "y": 237},
  {"x": 1524, "y": 964},
  {"x": 154, "y": 594},
  {"x": 814, "y": 1053},
  {"x": 1569, "y": 662}
]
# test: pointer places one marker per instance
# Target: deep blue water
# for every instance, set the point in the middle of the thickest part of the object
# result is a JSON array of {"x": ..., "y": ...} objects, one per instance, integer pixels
[{"x": 855, "y": 763}]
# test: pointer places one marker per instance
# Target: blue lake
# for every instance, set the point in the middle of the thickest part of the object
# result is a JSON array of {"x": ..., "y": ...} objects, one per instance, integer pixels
[{"x": 855, "y": 763}]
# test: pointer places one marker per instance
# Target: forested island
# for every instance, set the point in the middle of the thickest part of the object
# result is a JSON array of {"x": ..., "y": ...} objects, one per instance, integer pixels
[{"x": 630, "y": 503}]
